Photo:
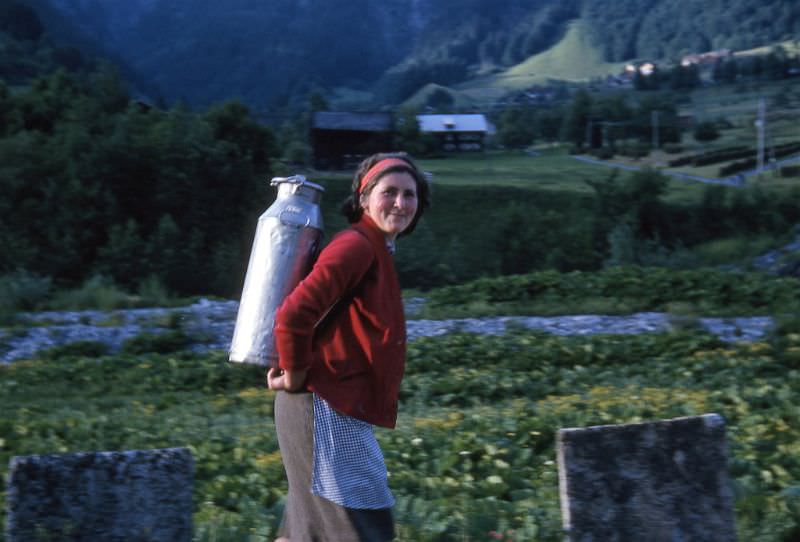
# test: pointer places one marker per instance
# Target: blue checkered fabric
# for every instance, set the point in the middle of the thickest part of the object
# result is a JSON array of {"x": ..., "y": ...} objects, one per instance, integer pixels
[{"x": 348, "y": 463}]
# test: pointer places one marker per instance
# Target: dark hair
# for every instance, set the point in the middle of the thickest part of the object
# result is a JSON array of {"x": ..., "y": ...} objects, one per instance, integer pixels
[{"x": 351, "y": 207}]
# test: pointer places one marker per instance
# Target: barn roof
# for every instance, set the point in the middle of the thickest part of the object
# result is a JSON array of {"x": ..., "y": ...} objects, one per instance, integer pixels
[
  {"x": 453, "y": 123},
  {"x": 358, "y": 122}
]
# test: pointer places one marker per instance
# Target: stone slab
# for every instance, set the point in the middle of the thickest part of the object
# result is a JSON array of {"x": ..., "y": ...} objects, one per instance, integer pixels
[
  {"x": 664, "y": 481},
  {"x": 130, "y": 496}
]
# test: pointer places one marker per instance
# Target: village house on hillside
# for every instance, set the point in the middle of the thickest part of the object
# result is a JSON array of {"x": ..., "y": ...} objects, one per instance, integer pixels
[
  {"x": 340, "y": 140},
  {"x": 456, "y": 132},
  {"x": 709, "y": 58}
]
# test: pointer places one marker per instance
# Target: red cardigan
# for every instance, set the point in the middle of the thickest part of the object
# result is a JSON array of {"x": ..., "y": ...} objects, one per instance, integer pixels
[{"x": 356, "y": 361}]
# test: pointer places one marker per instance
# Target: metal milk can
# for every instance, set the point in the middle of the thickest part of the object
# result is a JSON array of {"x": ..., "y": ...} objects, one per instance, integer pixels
[{"x": 288, "y": 236}]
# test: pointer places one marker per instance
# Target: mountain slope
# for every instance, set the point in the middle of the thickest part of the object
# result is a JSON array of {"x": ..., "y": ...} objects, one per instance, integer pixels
[
  {"x": 271, "y": 53},
  {"x": 574, "y": 58}
]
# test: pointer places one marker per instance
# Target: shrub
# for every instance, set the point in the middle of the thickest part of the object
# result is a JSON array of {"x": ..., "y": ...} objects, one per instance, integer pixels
[
  {"x": 737, "y": 167},
  {"x": 706, "y": 131},
  {"x": 634, "y": 151},
  {"x": 297, "y": 152},
  {"x": 153, "y": 293},
  {"x": 21, "y": 290},
  {"x": 603, "y": 153},
  {"x": 170, "y": 341},
  {"x": 97, "y": 292},
  {"x": 790, "y": 171},
  {"x": 91, "y": 349}
]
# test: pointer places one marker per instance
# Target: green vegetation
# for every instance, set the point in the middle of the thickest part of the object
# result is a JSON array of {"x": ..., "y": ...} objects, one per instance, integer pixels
[
  {"x": 105, "y": 195},
  {"x": 25, "y": 49},
  {"x": 111, "y": 203},
  {"x": 573, "y": 58},
  {"x": 96, "y": 184},
  {"x": 551, "y": 170},
  {"x": 493, "y": 213},
  {"x": 706, "y": 292},
  {"x": 474, "y": 448}
]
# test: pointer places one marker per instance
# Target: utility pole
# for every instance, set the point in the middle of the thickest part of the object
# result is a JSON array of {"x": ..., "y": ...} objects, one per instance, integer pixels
[
  {"x": 654, "y": 124},
  {"x": 760, "y": 126}
]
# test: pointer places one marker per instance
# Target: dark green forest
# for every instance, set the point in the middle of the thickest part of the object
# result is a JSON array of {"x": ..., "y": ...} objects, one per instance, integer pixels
[
  {"x": 95, "y": 183},
  {"x": 666, "y": 29}
]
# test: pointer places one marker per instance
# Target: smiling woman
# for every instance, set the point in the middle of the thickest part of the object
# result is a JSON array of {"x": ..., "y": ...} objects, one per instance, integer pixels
[
  {"x": 391, "y": 201},
  {"x": 341, "y": 340}
]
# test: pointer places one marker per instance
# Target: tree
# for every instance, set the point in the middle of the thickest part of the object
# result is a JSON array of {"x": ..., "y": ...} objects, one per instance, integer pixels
[
  {"x": 408, "y": 136},
  {"x": 440, "y": 99},
  {"x": 517, "y": 127},
  {"x": 574, "y": 127},
  {"x": 20, "y": 21},
  {"x": 684, "y": 77},
  {"x": 706, "y": 131},
  {"x": 317, "y": 102},
  {"x": 123, "y": 257}
]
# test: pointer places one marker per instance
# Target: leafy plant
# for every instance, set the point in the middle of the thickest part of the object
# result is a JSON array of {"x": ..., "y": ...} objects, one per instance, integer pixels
[
  {"x": 169, "y": 341},
  {"x": 474, "y": 450},
  {"x": 23, "y": 291}
]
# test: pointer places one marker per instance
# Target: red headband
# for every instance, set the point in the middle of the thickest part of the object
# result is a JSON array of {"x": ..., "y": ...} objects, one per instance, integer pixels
[{"x": 379, "y": 169}]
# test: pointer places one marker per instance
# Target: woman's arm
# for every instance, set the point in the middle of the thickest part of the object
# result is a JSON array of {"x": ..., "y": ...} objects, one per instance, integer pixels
[
  {"x": 339, "y": 269},
  {"x": 278, "y": 379}
]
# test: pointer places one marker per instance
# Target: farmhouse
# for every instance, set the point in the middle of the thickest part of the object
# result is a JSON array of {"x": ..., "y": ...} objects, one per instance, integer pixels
[
  {"x": 339, "y": 140},
  {"x": 456, "y": 132}
]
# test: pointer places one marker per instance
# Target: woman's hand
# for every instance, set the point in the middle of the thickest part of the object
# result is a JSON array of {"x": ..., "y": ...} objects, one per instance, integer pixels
[
  {"x": 278, "y": 379},
  {"x": 275, "y": 378}
]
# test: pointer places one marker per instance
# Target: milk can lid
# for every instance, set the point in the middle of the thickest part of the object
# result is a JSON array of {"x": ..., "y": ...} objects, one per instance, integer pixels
[{"x": 298, "y": 180}]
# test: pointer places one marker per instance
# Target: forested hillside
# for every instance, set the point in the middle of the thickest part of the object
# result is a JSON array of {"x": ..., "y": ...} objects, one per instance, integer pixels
[
  {"x": 95, "y": 181},
  {"x": 26, "y": 49},
  {"x": 665, "y": 29},
  {"x": 271, "y": 54}
]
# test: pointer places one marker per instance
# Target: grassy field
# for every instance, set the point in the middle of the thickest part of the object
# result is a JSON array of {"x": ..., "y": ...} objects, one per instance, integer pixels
[
  {"x": 551, "y": 169},
  {"x": 573, "y": 59},
  {"x": 547, "y": 168},
  {"x": 473, "y": 454}
]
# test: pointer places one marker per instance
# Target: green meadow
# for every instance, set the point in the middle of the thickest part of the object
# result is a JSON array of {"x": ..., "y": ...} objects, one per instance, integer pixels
[{"x": 473, "y": 456}]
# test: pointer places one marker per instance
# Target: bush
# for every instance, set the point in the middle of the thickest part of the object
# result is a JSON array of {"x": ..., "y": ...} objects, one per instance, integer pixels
[
  {"x": 790, "y": 171},
  {"x": 706, "y": 131},
  {"x": 737, "y": 167},
  {"x": 634, "y": 151},
  {"x": 22, "y": 291},
  {"x": 96, "y": 293},
  {"x": 604, "y": 153},
  {"x": 153, "y": 293},
  {"x": 298, "y": 153},
  {"x": 170, "y": 341},
  {"x": 90, "y": 349}
]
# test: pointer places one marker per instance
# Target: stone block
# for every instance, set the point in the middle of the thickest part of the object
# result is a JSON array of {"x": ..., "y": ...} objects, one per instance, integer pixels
[
  {"x": 664, "y": 481},
  {"x": 130, "y": 496}
]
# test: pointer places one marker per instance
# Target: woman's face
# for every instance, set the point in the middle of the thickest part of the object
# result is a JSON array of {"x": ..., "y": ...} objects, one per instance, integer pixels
[{"x": 392, "y": 203}]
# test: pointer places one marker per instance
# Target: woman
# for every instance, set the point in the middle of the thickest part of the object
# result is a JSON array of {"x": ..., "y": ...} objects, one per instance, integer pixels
[{"x": 341, "y": 341}]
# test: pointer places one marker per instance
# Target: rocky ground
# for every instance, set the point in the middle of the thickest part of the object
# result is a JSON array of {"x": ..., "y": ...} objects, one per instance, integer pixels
[{"x": 211, "y": 323}]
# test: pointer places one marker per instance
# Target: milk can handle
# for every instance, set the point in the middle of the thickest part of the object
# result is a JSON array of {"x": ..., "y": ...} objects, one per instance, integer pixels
[{"x": 297, "y": 181}]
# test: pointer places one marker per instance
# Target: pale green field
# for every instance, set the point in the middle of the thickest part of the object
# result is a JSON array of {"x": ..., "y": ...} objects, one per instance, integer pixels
[
  {"x": 573, "y": 59},
  {"x": 553, "y": 169}
]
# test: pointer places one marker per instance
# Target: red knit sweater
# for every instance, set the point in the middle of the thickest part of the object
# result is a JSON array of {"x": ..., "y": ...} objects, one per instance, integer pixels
[{"x": 356, "y": 361}]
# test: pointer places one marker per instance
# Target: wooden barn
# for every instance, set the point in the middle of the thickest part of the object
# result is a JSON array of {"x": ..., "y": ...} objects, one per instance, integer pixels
[
  {"x": 456, "y": 132},
  {"x": 340, "y": 140}
]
